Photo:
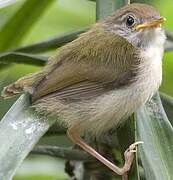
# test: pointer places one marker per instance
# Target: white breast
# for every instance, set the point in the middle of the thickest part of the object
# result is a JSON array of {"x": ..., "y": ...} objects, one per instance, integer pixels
[
  {"x": 150, "y": 76},
  {"x": 122, "y": 102},
  {"x": 111, "y": 109}
]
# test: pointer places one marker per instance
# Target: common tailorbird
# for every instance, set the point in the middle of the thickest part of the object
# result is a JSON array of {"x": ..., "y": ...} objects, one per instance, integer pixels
[{"x": 96, "y": 81}]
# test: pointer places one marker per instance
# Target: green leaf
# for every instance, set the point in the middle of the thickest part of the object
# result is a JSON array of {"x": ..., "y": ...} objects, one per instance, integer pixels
[
  {"x": 105, "y": 8},
  {"x": 126, "y": 136},
  {"x": 16, "y": 28},
  {"x": 167, "y": 102},
  {"x": 3, "y": 66},
  {"x": 50, "y": 44},
  {"x": 168, "y": 46},
  {"x": 7, "y": 3},
  {"x": 62, "y": 152},
  {"x": 3, "y": 75},
  {"x": 24, "y": 58},
  {"x": 19, "y": 132},
  {"x": 155, "y": 130},
  {"x": 169, "y": 35}
]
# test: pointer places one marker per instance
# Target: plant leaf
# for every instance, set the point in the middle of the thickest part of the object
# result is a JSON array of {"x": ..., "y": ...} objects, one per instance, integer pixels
[
  {"x": 126, "y": 136},
  {"x": 167, "y": 102},
  {"x": 16, "y": 28},
  {"x": 168, "y": 46},
  {"x": 169, "y": 35},
  {"x": 105, "y": 8},
  {"x": 19, "y": 132},
  {"x": 169, "y": 41},
  {"x": 16, "y": 57},
  {"x": 62, "y": 152},
  {"x": 50, "y": 44},
  {"x": 155, "y": 130},
  {"x": 5, "y": 3}
]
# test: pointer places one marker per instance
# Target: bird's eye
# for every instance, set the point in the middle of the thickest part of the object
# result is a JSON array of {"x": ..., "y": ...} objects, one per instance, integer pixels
[{"x": 130, "y": 21}]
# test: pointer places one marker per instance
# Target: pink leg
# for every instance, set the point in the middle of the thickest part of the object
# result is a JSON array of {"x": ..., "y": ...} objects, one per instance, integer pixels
[{"x": 129, "y": 154}]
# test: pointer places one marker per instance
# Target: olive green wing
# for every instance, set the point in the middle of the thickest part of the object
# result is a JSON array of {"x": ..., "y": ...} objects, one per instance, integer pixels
[
  {"x": 74, "y": 80},
  {"x": 87, "y": 67}
]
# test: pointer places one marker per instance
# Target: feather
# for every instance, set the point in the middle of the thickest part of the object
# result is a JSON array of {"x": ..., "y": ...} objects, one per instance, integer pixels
[{"x": 86, "y": 61}]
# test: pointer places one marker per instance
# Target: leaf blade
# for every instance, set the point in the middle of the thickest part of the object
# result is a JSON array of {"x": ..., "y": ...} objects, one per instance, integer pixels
[
  {"x": 25, "y": 58},
  {"x": 19, "y": 132},
  {"x": 32, "y": 9},
  {"x": 105, "y": 8},
  {"x": 50, "y": 44},
  {"x": 153, "y": 127},
  {"x": 167, "y": 102},
  {"x": 7, "y": 3}
]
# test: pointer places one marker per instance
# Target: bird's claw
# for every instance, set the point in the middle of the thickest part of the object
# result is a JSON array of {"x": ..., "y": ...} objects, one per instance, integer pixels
[
  {"x": 129, "y": 155},
  {"x": 132, "y": 147}
]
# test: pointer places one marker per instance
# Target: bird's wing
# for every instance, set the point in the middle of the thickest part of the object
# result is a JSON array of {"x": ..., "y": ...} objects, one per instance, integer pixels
[
  {"x": 87, "y": 69},
  {"x": 72, "y": 79}
]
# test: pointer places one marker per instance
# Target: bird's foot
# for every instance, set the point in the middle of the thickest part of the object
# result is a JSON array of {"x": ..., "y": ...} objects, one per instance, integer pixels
[{"x": 129, "y": 156}]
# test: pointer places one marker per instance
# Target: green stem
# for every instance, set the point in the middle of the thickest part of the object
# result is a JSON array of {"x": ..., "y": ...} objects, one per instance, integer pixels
[{"x": 61, "y": 152}]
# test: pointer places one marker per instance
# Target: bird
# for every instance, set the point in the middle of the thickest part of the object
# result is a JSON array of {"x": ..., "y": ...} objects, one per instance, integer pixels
[{"x": 95, "y": 82}]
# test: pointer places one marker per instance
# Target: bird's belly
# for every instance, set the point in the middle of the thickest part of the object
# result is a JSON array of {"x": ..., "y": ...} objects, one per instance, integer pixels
[{"x": 113, "y": 108}]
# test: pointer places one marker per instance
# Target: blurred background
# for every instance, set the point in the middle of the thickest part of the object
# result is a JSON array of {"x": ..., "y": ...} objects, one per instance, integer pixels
[{"x": 59, "y": 17}]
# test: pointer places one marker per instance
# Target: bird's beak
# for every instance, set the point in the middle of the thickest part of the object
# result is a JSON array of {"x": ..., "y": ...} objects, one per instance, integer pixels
[{"x": 150, "y": 24}]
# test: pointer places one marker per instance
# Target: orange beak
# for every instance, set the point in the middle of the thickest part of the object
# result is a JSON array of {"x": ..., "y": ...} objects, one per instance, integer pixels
[{"x": 150, "y": 24}]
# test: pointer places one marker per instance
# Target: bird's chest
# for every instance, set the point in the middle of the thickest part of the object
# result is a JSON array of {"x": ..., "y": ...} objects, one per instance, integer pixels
[{"x": 150, "y": 74}]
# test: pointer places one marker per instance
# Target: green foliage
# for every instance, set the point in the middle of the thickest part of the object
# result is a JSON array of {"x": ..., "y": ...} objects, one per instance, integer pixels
[
  {"x": 20, "y": 23},
  {"x": 105, "y": 8},
  {"x": 19, "y": 132},
  {"x": 167, "y": 102},
  {"x": 50, "y": 44},
  {"x": 155, "y": 130},
  {"x": 14, "y": 57}
]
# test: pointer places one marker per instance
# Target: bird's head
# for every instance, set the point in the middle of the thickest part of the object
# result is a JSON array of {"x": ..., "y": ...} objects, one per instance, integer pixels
[{"x": 139, "y": 24}]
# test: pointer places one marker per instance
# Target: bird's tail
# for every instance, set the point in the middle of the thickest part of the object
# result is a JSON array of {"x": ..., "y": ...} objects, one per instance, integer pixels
[{"x": 26, "y": 83}]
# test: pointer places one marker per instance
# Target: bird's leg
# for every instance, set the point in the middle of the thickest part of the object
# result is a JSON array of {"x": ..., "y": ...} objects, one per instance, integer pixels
[{"x": 129, "y": 153}]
